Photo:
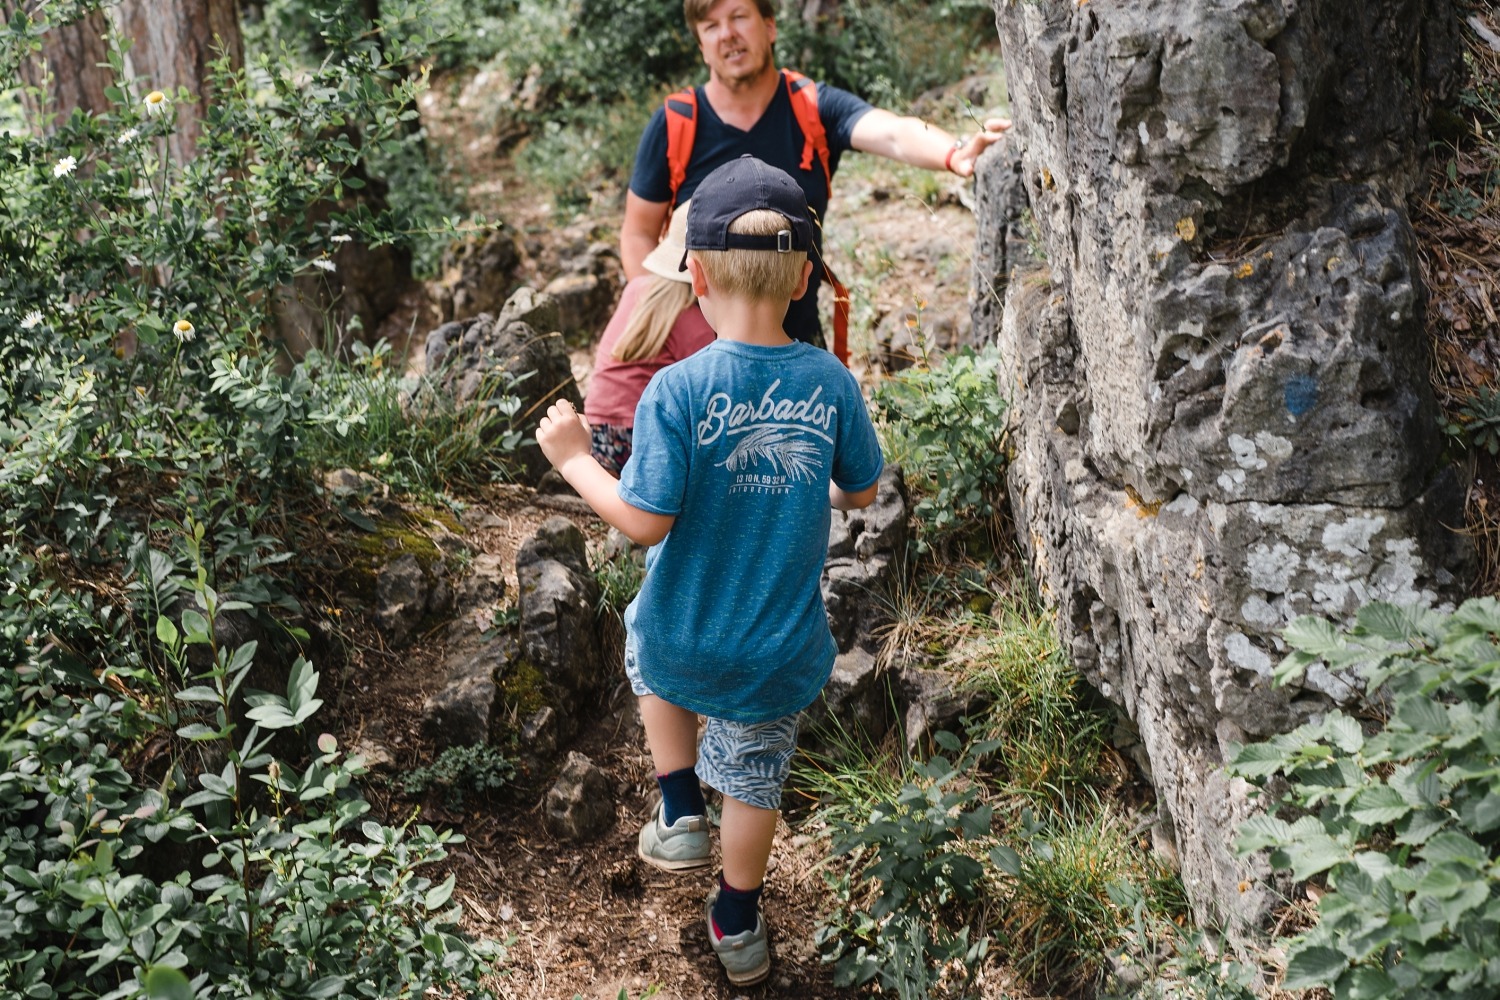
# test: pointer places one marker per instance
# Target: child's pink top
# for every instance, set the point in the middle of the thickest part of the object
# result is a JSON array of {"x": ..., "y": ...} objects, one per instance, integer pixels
[{"x": 616, "y": 386}]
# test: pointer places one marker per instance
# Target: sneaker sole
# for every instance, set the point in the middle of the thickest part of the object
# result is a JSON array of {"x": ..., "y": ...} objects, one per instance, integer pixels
[
  {"x": 685, "y": 865},
  {"x": 750, "y": 978}
]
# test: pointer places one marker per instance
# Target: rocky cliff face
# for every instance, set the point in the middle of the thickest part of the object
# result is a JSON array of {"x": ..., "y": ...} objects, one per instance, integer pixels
[{"x": 1218, "y": 372}]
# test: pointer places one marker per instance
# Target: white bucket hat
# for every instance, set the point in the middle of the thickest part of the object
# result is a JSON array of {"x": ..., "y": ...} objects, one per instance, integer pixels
[{"x": 664, "y": 260}]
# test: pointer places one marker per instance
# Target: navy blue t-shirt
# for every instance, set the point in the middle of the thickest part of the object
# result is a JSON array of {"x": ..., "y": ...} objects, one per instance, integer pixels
[{"x": 777, "y": 139}]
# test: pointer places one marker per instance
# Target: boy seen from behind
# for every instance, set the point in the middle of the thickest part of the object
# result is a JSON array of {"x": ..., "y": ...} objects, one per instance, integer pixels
[{"x": 740, "y": 452}]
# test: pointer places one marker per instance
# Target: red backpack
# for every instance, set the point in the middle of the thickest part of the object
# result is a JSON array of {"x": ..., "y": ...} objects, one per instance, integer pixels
[{"x": 682, "y": 128}]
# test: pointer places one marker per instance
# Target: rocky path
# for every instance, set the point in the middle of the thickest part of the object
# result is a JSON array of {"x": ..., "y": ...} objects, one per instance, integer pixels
[
  {"x": 589, "y": 919},
  {"x": 581, "y": 919}
]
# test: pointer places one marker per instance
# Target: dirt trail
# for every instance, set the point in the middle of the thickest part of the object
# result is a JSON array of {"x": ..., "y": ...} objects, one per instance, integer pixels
[
  {"x": 582, "y": 919},
  {"x": 591, "y": 920}
]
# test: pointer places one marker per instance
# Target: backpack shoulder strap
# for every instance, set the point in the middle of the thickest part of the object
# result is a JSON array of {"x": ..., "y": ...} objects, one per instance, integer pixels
[
  {"x": 682, "y": 128},
  {"x": 804, "y": 97}
]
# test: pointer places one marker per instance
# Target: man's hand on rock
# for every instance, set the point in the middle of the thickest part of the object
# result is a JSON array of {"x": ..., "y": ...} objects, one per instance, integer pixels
[{"x": 961, "y": 160}]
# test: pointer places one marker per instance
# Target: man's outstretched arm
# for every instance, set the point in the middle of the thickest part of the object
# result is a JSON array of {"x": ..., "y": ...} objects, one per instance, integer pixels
[
  {"x": 922, "y": 144},
  {"x": 640, "y": 232}
]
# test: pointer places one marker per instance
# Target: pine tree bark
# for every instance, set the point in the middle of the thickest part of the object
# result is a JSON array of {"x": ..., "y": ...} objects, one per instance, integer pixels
[{"x": 171, "y": 47}]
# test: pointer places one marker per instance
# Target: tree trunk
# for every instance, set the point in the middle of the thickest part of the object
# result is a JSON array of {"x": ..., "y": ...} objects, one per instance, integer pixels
[{"x": 171, "y": 47}]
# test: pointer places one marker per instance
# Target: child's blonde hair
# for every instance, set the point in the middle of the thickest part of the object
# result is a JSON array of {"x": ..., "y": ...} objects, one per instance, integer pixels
[
  {"x": 652, "y": 319},
  {"x": 754, "y": 274}
]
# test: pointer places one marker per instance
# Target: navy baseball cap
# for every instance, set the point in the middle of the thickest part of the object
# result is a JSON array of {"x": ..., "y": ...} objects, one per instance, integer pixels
[{"x": 736, "y": 188}]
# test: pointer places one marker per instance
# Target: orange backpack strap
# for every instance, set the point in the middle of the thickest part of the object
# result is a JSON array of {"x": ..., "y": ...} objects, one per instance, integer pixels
[
  {"x": 804, "y": 97},
  {"x": 682, "y": 129},
  {"x": 840, "y": 317}
]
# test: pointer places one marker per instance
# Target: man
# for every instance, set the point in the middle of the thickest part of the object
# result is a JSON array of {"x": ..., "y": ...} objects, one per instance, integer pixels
[{"x": 746, "y": 107}]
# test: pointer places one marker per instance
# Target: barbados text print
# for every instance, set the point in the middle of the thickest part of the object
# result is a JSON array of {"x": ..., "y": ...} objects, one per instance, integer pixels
[{"x": 775, "y": 431}]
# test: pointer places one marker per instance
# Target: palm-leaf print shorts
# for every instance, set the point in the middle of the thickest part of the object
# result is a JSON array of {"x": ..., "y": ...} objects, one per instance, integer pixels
[{"x": 747, "y": 761}]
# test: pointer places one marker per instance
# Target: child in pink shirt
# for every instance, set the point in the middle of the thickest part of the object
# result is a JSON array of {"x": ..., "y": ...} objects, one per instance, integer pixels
[{"x": 656, "y": 323}]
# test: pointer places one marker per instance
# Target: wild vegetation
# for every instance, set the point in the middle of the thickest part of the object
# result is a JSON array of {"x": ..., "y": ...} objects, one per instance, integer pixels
[{"x": 175, "y": 822}]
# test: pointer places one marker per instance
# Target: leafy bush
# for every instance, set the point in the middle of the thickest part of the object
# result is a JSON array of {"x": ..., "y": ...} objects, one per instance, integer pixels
[
  {"x": 480, "y": 769},
  {"x": 415, "y": 436},
  {"x": 945, "y": 424},
  {"x": 155, "y": 839},
  {"x": 1402, "y": 822},
  {"x": 278, "y": 896},
  {"x": 916, "y": 901},
  {"x": 886, "y": 51},
  {"x": 1478, "y": 420}
]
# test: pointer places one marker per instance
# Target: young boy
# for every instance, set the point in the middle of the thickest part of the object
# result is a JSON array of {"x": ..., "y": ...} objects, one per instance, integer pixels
[{"x": 740, "y": 450}]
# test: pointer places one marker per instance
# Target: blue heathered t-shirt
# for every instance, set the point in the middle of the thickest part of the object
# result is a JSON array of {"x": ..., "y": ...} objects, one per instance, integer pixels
[
  {"x": 739, "y": 442},
  {"x": 775, "y": 138}
]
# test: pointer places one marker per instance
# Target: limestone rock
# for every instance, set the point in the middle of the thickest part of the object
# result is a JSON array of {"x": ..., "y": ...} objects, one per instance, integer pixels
[
  {"x": 488, "y": 273},
  {"x": 934, "y": 703},
  {"x": 1000, "y": 247},
  {"x": 559, "y": 632},
  {"x": 484, "y": 361},
  {"x": 856, "y": 700},
  {"x": 864, "y": 549},
  {"x": 580, "y": 805},
  {"x": 401, "y": 590},
  {"x": 462, "y": 711},
  {"x": 586, "y": 293},
  {"x": 1221, "y": 416}
]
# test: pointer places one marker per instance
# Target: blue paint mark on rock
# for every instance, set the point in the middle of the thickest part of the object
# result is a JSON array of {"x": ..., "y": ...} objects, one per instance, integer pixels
[{"x": 1301, "y": 394}]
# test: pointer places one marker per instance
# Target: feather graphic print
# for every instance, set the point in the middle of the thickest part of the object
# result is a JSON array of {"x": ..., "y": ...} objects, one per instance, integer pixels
[{"x": 787, "y": 452}]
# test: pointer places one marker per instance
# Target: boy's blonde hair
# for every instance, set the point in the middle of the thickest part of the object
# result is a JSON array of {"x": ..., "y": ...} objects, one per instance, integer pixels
[
  {"x": 652, "y": 319},
  {"x": 754, "y": 274}
]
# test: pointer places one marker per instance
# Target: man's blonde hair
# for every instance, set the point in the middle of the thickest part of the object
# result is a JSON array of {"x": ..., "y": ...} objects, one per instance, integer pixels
[
  {"x": 754, "y": 274},
  {"x": 694, "y": 11}
]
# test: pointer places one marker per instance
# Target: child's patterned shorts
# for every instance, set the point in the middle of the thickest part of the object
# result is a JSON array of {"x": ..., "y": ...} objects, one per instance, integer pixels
[
  {"x": 611, "y": 445},
  {"x": 747, "y": 761}
]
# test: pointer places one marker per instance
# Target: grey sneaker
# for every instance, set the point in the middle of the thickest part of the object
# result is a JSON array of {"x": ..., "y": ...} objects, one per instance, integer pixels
[
  {"x": 746, "y": 956},
  {"x": 680, "y": 847}
]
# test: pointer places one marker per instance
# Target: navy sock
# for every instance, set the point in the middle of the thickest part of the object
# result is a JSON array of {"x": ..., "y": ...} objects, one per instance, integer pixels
[
  {"x": 681, "y": 795},
  {"x": 735, "y": 910}
]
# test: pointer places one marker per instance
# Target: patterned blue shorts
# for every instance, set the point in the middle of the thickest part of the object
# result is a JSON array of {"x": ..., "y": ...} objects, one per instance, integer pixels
[
  {"x": 747, "y": 761},
  {"x": 611, "y": 445}
]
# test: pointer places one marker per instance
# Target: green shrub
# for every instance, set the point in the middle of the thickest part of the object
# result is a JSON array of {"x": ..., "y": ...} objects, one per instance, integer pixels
[
  {"x": 945, "y": 425},
  {"x": 582, "y": 52},
  {"x": 1478, "y": 420},
  {"x": 414, "y": 436},
  {"x": 458, "y": 771},
  {"x": 153, "y": 467},
  {"x": 1400, "y": 818},
  {"x": 886, "y": 51},
  {"x": 915, "y": 903},
  {"x": 265, "y": 880}
]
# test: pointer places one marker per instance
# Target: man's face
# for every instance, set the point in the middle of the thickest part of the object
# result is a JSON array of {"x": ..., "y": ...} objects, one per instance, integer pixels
[{"x": 736, "y": 41}]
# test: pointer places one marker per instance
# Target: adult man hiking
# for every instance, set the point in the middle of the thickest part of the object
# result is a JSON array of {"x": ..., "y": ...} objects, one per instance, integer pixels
[{"x": 749, "y": 106}]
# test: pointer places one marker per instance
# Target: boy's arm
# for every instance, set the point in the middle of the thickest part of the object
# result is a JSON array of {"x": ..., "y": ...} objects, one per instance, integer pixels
[
  {"x": 844, "y": 500},
  {"x": 564, "y": 437}
]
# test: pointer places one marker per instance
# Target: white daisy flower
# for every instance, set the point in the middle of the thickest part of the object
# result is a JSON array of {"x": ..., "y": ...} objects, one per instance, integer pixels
[
  {"x": 65, "y": 166},
  {"x": 155, "y": 102},
  {"x": 128, "y": 136},
  {"x": 340, "y": 238},
  {"x": 31, "y": 319},
  {"x": 184, "y": 331},
  {"x": 325, "y": 264}
]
